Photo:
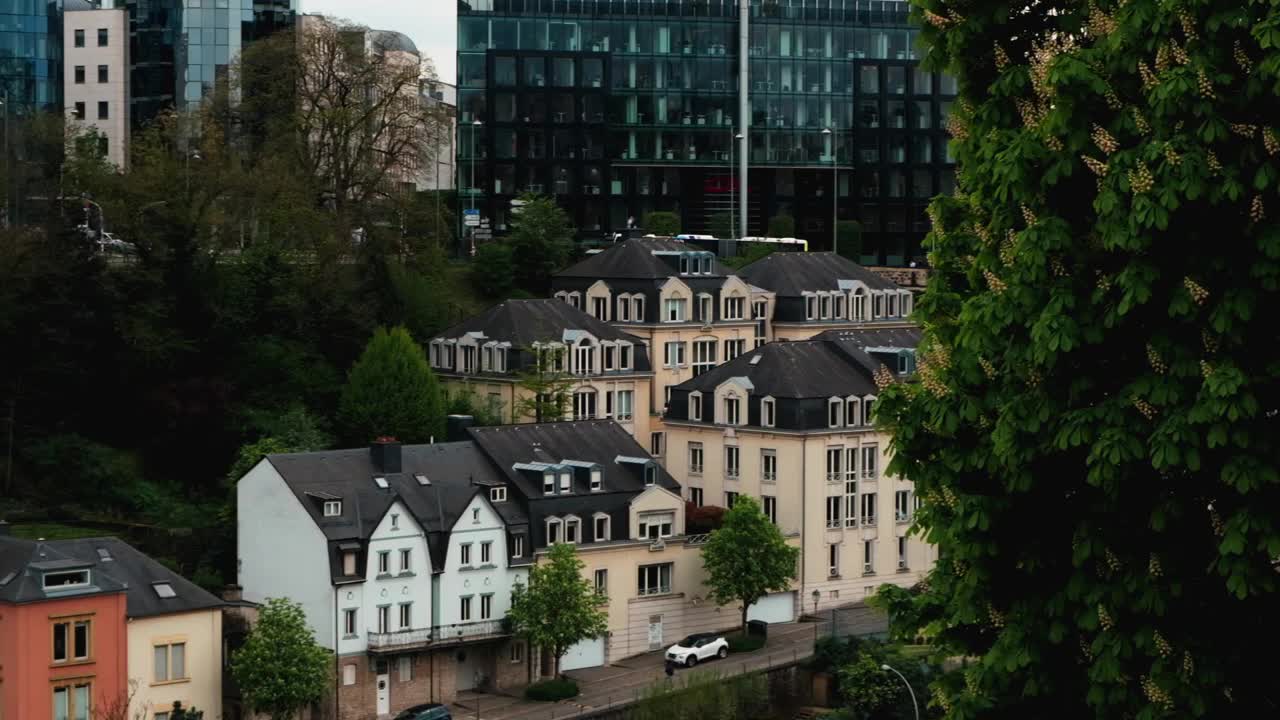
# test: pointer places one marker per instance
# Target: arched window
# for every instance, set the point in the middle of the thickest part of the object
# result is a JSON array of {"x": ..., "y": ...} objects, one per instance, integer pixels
[
  {"x": 584, "y": 357},
  {"x": 859, "y": 304}
]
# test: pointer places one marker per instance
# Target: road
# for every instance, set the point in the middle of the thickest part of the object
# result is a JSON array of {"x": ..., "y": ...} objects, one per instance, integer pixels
[{"x": 623, "y": 682}]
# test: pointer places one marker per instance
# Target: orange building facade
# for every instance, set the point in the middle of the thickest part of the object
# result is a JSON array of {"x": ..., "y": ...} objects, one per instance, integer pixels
[{"x": 62, "y": 642}]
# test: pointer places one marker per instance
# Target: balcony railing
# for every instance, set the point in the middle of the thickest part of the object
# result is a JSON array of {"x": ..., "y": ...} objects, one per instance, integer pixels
[{"x": 436, "y": 635}]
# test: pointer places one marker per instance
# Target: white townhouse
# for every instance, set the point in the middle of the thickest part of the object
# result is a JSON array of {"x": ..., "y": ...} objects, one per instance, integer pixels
[{"x": 400, "y": 562}]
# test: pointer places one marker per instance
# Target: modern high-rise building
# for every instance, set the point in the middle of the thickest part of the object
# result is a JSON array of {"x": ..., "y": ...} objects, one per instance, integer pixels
[
  {"x": 622, "y": 107},
  {"x": 30, "y": 55}
]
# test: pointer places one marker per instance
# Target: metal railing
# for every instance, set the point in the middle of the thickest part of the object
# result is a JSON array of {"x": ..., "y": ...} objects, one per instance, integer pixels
[{"x": 436, "y": 635}]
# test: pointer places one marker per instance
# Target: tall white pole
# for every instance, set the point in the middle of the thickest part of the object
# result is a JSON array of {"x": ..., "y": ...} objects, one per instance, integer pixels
[
  {"x": 908, "y": 684},
  {"x": 744, "y": 108},
  {"x": 732, "y": 198}
]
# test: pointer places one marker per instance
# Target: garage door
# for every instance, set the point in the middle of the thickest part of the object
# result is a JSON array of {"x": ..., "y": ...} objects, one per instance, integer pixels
[
  {"x": 588, "y": 653},
  {"x": 775, "y": 608}
]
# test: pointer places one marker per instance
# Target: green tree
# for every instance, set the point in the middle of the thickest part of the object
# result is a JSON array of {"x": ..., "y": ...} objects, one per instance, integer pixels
[
  {"x": 720, "y": 224},
  {"x": 867, "y": 690},
  {"x": 559, "y": 607},
  {"x": 1093, "y": 435},
  {"x": 392, "y": 391},
  {"x": 280, "y": 669},
  {"x": 541, "y": 241},
  {"x": 747, "y": 558},
  {"x": 546, "y": 385},
  {"x": 782, "y": 225},
  {"x": 493, "y": 269},
  {"x": 661, "y": 222}
]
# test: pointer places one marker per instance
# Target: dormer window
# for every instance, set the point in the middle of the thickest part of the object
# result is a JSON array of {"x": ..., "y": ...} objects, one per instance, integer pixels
[
  {"x": 624, "y": 356},
  {"x": 566, "y": 481},
  {"x": 597, "y": 480},
  {"x": 651, "y": 474},
  {"x": 859, "y": 304},
  {"x": 584, "y": 358},
  {"x": 837, "y": 306},
  {"x": 695, "y": 406},
  {"x": 852, "y": 412},
  {"x": 656, "y": 525},
  {"x": 811, "y": 307},
  {"x": 609, "y": 353},
  {"x": 835, "y": 412},
  {"x": 732, "y": 413},
  {"x": 685, "y": 261},
  {"x": 907, "y": 300},
  {"x": 706, "y": 264},
  {"x": 637, "y": 308},
  {"x": 624, "y": 308},
  {"x": 548, "y": 483},
  {"x": 349, "y": 563},
  {"x": 892, "y": 299},
  {"x": 498, "y": 494},
  {"x": 600, "y": 527},
  {"x": 600, "y": 308},
  {"x": 735, "y": 308},
  {"x": 332, "y": 508},
  {"x": 675, "y": 309},
  {"x": 768, "y": 412},
  {"x": 704, "y": 309},
  {"x": 553, "y": 530},
  {"x": 64, "y": 580},
  {"x": 572, "y": 530},
  {"x": 824, "y": 307},
  {"x": 867, "y": 406},
  {"x": 877, "y": 305}
]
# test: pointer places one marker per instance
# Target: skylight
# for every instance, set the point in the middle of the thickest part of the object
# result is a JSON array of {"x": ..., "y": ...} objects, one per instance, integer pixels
[
  {"x": 756, "y": 360},
  {"x": 381, "y": 482},
  {"x": 164, "y": 590},
  {"x": 422, "y": 479},
  {"x": 103, "y": 555}
]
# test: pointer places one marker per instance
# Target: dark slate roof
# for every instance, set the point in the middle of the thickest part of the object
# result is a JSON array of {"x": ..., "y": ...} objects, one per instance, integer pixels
[
  {"x": 634, "y": 259},
  {"x": 600, "y": 442},
  {"x": 792, "y": 273},
  {"x": 801, "y": 369},
  {"x": 140, "y": 574},
  {"x": 524, "y": 322},
  {"x": 457, "y": 472},
  {"x": 115, "y": 566}
]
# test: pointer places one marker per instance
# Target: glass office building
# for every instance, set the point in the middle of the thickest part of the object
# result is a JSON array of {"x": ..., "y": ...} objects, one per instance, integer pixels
[
  {"x": 621, "y": 107},
  {"x": 180, "y": 49},
  {"x": 31, "y": 55}
]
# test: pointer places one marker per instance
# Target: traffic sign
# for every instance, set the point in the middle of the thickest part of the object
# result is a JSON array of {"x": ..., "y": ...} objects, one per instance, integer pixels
[
  {"x": 482, "y": 235},
  {"x": 471, "y": 220}
]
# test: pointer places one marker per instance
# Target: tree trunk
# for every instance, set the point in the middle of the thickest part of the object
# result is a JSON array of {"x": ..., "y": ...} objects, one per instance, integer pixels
[
  {"x": 555, "y": 663},
  {"x": 745, "y": 605}
]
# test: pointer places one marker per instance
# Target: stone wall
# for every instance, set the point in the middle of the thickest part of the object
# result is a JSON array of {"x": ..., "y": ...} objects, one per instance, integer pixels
[{"x": 913, "y": 279}]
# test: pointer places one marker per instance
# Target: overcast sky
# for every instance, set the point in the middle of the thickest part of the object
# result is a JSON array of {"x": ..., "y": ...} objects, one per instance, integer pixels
[{"x": 431, "y": 24}]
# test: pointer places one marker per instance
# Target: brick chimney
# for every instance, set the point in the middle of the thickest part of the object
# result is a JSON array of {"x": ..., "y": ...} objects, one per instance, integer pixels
[
  {"x": 385, "y": 453},
  {"x": 233, "y": 593}
]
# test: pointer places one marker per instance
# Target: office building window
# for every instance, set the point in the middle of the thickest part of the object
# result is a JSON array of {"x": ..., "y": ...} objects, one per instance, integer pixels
[
  {"x": 103, "y": 110},
  {"x": 103, "y": 37},
  {"x": 79, "y": 113},
  {"x": 79, "y": 42},
  {"x": 103, "y": 74},
  {"x": 79, "y": 74}
]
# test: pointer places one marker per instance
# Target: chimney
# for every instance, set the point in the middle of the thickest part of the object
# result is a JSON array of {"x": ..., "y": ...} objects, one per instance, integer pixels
[
  {"x": 233, "y": 593},
  {"x": 385, "y": 453},
  {"x": 4, "y": 529},
  {"x": 456, "y": 427}
]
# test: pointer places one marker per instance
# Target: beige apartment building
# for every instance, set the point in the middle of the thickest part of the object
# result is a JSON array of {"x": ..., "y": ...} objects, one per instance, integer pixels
[
  {"x": 790, "y": 423},
  {"x": 95, "y": 85},
  {"x": 816, "y": 292},
  {"x": 604, "y": 372},
  {"x": 692, "y": 311}
]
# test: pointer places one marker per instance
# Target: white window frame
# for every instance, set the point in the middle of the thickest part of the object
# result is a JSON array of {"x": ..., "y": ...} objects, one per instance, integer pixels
[
  {"x": 572, "y": 523},
  {"x": 332, "y": 508},
  {"x": 678, "y": 346},
  {"x": 554, "y": 523},
  {"x": 406, "y": 560},
  {"x": 626, "y": 355},
  {"x": 732, "y": 462},
  {"x": 902, "y": 506},
  {"x": 867, "y": 511},
  {"x": 870, "y": 462},
  {"x": 734, "y": 307},
  {"x": 868, "y": 557},
  {"x": 695, "y": 496},
  {"x": 858, "y": 304},
  {"x": 810, "y": 306},
  {"x": 835, "y": 471},
  {"x": 695, "y": 405},
  {"x": 706, "y": 311},
  {"x": 584, "y": 409},
  {"x": 664, "y": 522},
  {"x": 384, "y": 562},
  {"x": 650, "y": 579},
  {"x": 696, "y": 450},
  {"x": 638, "y": 308},
  {"x": 600, "y": 581},
  {"x": 486, "y": 552},
  {"x": 833, "y": 507},
  {"x": 769, "y": 505},
  {"x": 624, "y": 308},
  {"x": 517, "y": 546},
  {"x": 675, "y": 309},
  {"x": 768, "y": 465},
  {"x": 768, "y": 412},
  {"x": 852, "y": 411},
  {"x": 464, "y": 554},
  {"x": 498, "y": 494},
  {"x": 833, "y": 560},
  {"x": 464, "y": 608},
  {"x": 406, "y": 615},
  {"x": 597, "y": 479},
  {"x": 838, "y": 306},
  {"x": 732, "y": 409},
  {"x": 704, "y": 355},
  {"x": 868, "y": 410},
  {"x": 835, "y": 412},
  {"x": 733, "y": 347},
  {"x": 902, "y": 553},
  {"x": 548, "y": 483},
  {"x": 566, "y": 481},
  {"x": 595, "y": 527},
  {"x": 621, "y": 413}
]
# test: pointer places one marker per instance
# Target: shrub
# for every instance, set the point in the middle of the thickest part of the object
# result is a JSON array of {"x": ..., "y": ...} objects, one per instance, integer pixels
[
  {"x": 742, "y": 642},
  {"x": 782, "y": 226},
  {"x": 552, "y": 690},
  {"x": 662, "y": 223}
]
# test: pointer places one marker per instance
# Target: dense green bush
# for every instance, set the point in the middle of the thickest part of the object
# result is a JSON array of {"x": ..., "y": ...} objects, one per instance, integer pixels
[
  {"x": 782, "y": 226},
  {"x": 742, "y": 642},
  {"x": 552, "y": 690},
  {"x": 704, "y": 696},
  {"x": 661, "y": 223}
]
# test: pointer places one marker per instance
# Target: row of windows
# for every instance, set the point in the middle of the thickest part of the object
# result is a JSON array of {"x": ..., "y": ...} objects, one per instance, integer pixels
[
  {"x": 490, "y": 357},
  {"x": 104, "y": 74},
  {"x": 104, "y": 110},
  {"x": 104, "y": 38},
  {"x": 842, "y": 412},
  {"x": 868, "y": 557},
  {"x": 854, "y": 305},
  {"x": 842, "y": 463}
]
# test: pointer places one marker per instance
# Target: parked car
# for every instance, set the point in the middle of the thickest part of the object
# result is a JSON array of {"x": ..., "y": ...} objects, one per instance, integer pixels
[
  {"x": 111, "y": 243},
  {"x": 703, "y": 646},
  {"x": 428, "y": 711}
]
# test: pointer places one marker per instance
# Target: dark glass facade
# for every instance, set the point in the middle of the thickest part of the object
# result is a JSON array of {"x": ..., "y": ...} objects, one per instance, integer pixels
[
  {"x": 30, "y": 55},
  {"x": 622, "y": 107},
  {"x": 180, "y": 49}
]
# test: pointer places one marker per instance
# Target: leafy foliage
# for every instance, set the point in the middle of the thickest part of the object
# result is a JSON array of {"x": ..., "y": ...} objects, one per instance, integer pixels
[
  {"x": 1094, "y": 433},
  {"x": 280, "y": 669},
  {"x": 546, "y": 385},
  {"x": 541, "y": 241},
  {"x": 493, "y": 270},
  {"x": 661, "y": 222},
  {"x": 747, "y": 557},
  {"x": 782, "y": 226},
  {"x": 559, "y": 607},
  {"x": 553, "y": 690},
  {"x": 392, "y": 392},
  {"x": 849, "y": 233}
]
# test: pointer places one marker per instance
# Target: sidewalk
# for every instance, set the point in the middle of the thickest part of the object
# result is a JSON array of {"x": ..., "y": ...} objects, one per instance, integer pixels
[{"x": 623, "y": 682}]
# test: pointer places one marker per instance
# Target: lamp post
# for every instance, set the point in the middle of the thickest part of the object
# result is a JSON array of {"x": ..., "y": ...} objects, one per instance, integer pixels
[
  {"x": 471, "y": 190},
  {"x": 835, "y": 190},
  {"x": 914, "y": 705}
]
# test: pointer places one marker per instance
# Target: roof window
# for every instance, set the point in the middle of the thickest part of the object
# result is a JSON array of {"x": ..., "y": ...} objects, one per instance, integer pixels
[
  {"x": 422, "y": 479},
  {"x": 164, "y": 590},
  {"x": 70, "y": 579},
  {"x": 381, "y": 482}
]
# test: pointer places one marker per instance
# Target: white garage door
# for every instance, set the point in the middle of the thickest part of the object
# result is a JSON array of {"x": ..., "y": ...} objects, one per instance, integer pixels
[
  {"x": 775, "y": 608},
  {"x": 588, "y": 653}
]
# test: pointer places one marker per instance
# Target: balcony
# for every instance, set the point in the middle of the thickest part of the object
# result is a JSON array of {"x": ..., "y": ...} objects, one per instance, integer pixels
[{"x": 439, "y": 635}]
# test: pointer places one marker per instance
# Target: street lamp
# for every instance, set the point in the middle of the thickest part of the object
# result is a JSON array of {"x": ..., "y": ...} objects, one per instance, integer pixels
[
  {"x": 475, "y": 126},
  {"x": 908, "y": 684},
  {"x": 732, "y": 182},
  {"x": 835, "y": 190}
]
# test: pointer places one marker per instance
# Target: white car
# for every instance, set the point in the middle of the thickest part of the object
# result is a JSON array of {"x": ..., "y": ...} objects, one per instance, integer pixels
[{"x": 694, "y": 648}]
